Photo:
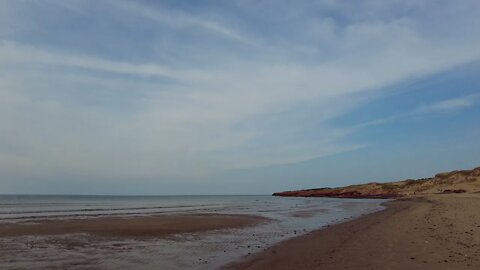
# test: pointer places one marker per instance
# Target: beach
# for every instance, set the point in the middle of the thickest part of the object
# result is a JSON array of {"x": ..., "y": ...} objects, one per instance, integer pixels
[
  {"x": 157, "y": 232},
  {"x": 149, "y": 226},
  {"x": 430, "y": 232}
]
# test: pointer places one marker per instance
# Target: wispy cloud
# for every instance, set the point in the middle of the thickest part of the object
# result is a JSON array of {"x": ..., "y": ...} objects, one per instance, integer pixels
[
  {"x": 72, "y": 105},
  {"x": 443, "y": 106},
  {"x": 24, "y": 54},
  {"x": 448, "y": 105},
  {"x": 179, "y": 20}
]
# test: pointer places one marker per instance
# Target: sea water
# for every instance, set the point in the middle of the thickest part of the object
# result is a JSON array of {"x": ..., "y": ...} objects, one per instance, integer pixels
[{"x": 289, "y": 217}]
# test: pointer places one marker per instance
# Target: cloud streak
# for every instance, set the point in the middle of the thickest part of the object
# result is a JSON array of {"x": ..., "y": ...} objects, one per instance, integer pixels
[
  {"x": 70, "y": 109},
  {"x": 443, "y": 106},
  {"x": 179, "y": 20},
  {"x": 449, "y": 105}
]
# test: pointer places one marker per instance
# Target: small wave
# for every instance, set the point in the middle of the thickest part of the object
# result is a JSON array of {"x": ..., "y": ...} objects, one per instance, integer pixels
[{"x": 101, "y": 209}]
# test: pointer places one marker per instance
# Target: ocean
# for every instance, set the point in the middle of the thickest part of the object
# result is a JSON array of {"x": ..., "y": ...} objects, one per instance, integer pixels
[{"x": 289, "y": 217}]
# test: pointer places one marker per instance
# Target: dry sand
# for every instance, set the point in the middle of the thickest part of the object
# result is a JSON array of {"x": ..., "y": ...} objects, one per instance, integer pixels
[
  {"x": 151, "y": 226},
  {"x": 433, "y": 232}
]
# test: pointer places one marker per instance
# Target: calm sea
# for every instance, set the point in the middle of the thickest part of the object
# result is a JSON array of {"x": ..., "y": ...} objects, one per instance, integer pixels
[{"x": 290, "y": 217}]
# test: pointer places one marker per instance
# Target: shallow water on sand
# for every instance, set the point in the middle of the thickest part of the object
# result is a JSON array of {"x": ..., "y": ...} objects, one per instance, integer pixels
[{"x": 289, "y": 217}]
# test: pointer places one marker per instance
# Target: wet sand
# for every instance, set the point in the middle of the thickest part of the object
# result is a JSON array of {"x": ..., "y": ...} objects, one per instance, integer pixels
[
  {"x": 149, "y": 226},
  {"x": 433, "y": 232},
  {"x": 201, "y": 238}
]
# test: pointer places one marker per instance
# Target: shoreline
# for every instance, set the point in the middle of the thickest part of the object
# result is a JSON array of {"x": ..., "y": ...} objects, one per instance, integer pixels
[
  {"x": 428, "y": 232},
  {"x": 184, "y": 240},
  {"x": 140, "y": 226}
]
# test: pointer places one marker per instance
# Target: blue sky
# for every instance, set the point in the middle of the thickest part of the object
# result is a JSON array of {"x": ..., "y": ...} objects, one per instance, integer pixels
[{"x": 234, "y": 97}]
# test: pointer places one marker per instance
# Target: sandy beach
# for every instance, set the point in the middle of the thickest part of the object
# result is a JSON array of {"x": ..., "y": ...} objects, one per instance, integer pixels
[
  {"x": 428, "y": 232},
  {"x": 431, "y": 232},
  {"x": 149, "y": 226},
  {"x": 205, "y": 232}
]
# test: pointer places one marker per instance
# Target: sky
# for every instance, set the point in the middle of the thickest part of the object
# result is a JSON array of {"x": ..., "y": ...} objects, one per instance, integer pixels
[{"x": 234, "y": 97}]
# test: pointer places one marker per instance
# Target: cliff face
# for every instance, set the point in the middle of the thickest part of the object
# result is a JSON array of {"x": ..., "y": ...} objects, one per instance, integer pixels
[{"x": 450, "y": 182}]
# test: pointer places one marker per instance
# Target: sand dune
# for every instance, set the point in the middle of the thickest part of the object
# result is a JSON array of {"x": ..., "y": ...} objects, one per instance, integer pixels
[{"x": 466, "y": 181}]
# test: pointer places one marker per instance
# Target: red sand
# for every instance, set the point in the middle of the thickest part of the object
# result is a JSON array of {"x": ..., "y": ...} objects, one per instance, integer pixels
[
  {"x": 151, "y": 226},
  {"x": 434, "y": 232}
]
